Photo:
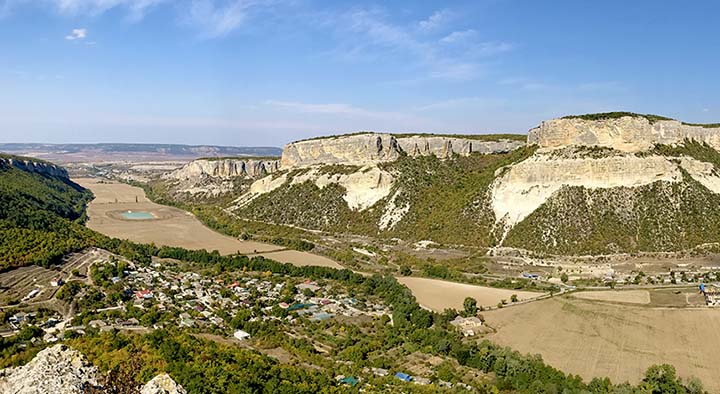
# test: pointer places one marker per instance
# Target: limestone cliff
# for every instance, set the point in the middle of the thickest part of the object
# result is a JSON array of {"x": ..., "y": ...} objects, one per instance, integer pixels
[
  {"x": 371, "y": 148},
  {"x": 626, "y": 133},
  {"x": 215, "y": 177},
  {"x": 225, "y": 168},
  {"x": 37, "y": 166}
]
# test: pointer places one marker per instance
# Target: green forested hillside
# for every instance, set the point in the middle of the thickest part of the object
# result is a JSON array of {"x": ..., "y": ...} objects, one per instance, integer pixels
[{"x": 40, "y": 217}]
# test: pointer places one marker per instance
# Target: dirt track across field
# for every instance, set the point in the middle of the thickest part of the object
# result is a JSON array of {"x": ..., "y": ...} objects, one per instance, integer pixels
[
  {"x": 592, "y": 339},
  {"x": 173, "y": 227},
  {"x": 439, "y": 294}
]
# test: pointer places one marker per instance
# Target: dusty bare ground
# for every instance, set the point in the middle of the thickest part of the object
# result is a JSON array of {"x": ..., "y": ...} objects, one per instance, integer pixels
[
  {"x": 174, "y": 227},
  {"x": 301, "y": 258},
  {"x": 625, "y": 296},
  {"x": 619, "y": 341},
  {"x": 439, "y": 294}
]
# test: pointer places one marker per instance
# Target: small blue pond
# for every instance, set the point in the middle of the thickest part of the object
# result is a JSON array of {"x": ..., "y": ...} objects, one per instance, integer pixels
[{"x": 131, "y": 215}]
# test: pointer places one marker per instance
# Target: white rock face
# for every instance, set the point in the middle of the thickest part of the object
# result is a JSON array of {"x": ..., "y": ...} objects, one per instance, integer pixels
[
  {"x": 162, "y": 384},
  {"x": 62, "y": 370},
  {"x": 528, "y": 184},
  {"x": 393, "y": 213},
  {"x": 374, "y": 148},
  {"x": 705, "y": 173},
  {"x": 36, "y": 166},
  {"x": 364, "y": 187},
  {"x": 58, "y": 370},
  {"x": 629, "y": 133},
  {"x": 225, "y": 168}
]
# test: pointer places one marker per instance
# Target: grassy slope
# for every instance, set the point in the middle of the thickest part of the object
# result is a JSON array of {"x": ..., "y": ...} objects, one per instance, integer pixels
[
  {"x": 40, "y": 217},
  {"x": 448, "y": 200},
  {"x": 661, "y": 216}
]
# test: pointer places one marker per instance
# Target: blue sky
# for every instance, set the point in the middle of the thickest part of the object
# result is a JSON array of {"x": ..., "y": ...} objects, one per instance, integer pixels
[{"x": 266, "y": 72}]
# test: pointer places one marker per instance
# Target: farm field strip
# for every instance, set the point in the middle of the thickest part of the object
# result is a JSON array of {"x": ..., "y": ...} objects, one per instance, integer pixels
[
  {"x": 592, "y": 339},
  {"x": 438, "y": 294}
]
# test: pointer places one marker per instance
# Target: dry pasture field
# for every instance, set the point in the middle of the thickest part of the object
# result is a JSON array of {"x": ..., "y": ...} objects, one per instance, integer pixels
[
  {"x": 174, "y": 227},
  {"x": 301, "y": 259},
  {"x": 594, "y": 339},
  {"x": 439, "y": 294},
  {"x": 623, "y": 296}
]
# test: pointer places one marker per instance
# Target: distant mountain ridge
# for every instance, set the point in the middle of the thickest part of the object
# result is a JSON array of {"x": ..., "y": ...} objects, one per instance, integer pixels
[{"x": 189, "y": 151}]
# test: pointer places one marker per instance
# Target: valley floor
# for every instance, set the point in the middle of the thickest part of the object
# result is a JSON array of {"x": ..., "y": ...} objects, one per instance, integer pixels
[
  {"x": 591, "y": 338},
  {"x": 172, "y": 226},
  {"x": 439, "y": 294}
]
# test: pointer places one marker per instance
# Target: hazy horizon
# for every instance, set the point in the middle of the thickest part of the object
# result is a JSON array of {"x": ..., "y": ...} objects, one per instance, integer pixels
[{"x": 268, "y": 72}]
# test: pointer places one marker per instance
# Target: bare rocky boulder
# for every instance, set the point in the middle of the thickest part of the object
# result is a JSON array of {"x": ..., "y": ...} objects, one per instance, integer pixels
[
  {"x": 58, "y": 369},
  {"x": 162, "y": 384}
]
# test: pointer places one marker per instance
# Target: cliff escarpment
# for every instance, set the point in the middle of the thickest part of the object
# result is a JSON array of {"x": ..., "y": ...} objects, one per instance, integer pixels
[
  {"x": 629, "y": 133},
  {"x": 36, "y": 166},
  {"x": 215, "y": 177},
  {"x": 226, "y": 168},
  {"x": 589, "y": 184},
  {"x": 373, "y": 148}
]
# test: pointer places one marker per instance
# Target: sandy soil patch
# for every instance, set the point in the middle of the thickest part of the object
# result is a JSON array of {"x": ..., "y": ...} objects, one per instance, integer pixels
[
  {"x": 439, "y": 294},
  {"x": 301, "y": 258},
  {"x": 174, "y": 228},
  {"x": 619, "y": 341},
  {"x": 626, "y": 296}
]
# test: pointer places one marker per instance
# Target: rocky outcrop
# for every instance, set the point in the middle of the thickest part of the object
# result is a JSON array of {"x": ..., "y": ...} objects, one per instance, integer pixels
[
  {"x": 225, "y": 168},
  {"x": 371, "y": 148},
  {"x": 162, "y": 384},
  {"x": 57, "y": 369},
  {"x": 39, "y": 167},
  {"x": 525, "y": 186},
  {"x": 627, "y": 133},
  {"x": 62, "y": 370},
  {"x": 364, "y": 187}
]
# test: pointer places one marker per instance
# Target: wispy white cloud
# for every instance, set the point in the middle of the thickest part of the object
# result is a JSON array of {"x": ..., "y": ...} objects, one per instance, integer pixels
[
  {"x": 462, "y": 102},
  {"x": 458, "y": 36},
  {"x": 136, "y": 9},
  {"x": 368, "y": 33},
  {"x": 335, "y": 109},
  {"x": 436, "y": 20},
  {"x": 76, "y": 34},
  {"x": 600, "y": 86},
  {"x": 457, "y": 71},
  {"x": 215, "y": 19}
]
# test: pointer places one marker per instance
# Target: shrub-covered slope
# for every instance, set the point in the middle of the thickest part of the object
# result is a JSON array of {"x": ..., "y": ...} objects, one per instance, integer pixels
[
  {"x": 448, "y": 201},
  {"x": 661, "y": 216},
  {"x": 40, "y": 217}
]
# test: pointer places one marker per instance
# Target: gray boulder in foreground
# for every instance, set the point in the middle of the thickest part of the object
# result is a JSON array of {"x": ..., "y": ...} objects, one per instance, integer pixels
[{"x": 62, "y": 370}]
